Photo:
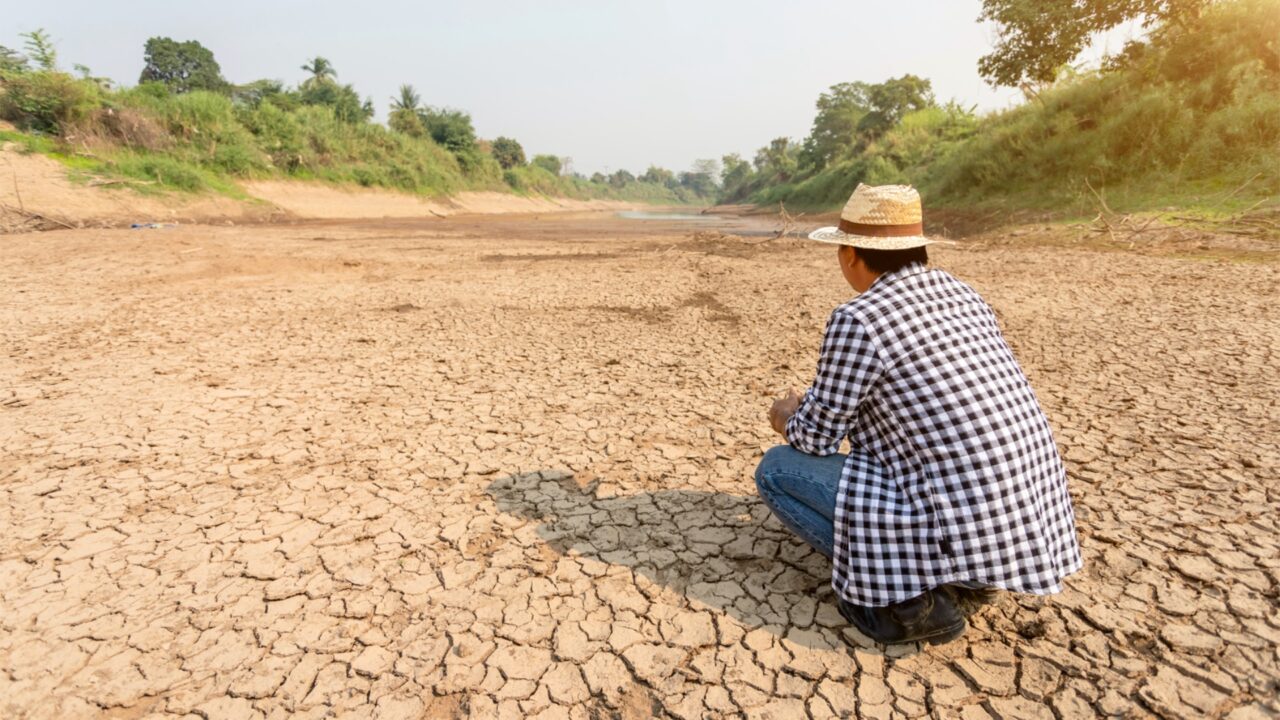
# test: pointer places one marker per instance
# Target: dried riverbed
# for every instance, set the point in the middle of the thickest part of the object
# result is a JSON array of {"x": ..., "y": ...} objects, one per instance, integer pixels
[{"x": 502, "y": 468}]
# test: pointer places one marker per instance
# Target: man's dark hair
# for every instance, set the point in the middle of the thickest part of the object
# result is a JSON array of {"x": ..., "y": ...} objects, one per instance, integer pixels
[{"x": 885, "y": 261}]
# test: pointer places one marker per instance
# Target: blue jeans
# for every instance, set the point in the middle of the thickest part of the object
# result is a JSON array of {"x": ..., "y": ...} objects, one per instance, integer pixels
[{"x": 801, "y": 490}]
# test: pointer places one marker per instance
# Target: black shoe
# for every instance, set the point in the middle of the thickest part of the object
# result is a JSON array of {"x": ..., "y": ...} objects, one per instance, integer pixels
[
  {"x": 970, "y": 600},
  {"x": 930, "y": 618}
]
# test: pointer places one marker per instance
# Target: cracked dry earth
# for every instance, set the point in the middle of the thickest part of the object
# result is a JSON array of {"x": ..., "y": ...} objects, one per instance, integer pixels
[{"x": 503, "y": 468}]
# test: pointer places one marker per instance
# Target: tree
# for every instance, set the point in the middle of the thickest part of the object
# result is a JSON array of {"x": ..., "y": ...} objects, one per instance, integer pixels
[
  {"x": 1038, "y": 37},
  {"x": 404, "y": 112},
  {"x": 710, "y": 167},
  {"x": 508, "y": 153},
  {"x": 255, "y": 93},
  {"x": 550, "y": 163},
  {"x": 658, "y": 176},
  {"x": 451, "y": 129},
  {"x": 87, "y": 74},
  {"x": 181, "y": 66},
  {"x": 40, "y": 49},
  {"x": 599, "y": 178},
  {"x": 777, "y": 160},
  {"x": 735, "y": 172},
  {"x": 408, "y": 100},
  {"x": 890, "y": 101},
  {"x": 322, "y": 89},
  {"x": 322, "y": 71},
  {"x": 621, "y": 178},
  {"x": 835, "y": 125},
  {"x": 345, "y": 101},
  {"x": 700, "y": 183}
]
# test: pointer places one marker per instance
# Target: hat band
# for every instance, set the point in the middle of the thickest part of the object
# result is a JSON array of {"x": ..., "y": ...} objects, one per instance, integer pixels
[{"x": 853, "y": 228}]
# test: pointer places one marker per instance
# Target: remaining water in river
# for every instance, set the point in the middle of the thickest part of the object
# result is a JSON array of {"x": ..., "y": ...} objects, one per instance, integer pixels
[
  {"x": 652, "y": 215},
  {"x": 741, "y": 226}
]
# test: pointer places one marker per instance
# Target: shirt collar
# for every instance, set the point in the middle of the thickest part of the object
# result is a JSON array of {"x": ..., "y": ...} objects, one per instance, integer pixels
[{"x": 907, "y": 270}]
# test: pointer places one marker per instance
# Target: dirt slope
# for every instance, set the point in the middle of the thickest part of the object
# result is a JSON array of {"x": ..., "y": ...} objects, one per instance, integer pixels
[
  {"x": 36, "y": 193},
  {"x": 327, "y": 202}
]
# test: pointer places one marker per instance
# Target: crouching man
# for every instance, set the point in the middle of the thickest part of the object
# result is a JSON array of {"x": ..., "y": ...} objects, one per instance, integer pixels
[{"x": 953, "y": 487}]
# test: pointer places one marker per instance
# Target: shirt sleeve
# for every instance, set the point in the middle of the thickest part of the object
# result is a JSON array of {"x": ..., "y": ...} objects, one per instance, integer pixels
[{"x": 848, "y": 369}]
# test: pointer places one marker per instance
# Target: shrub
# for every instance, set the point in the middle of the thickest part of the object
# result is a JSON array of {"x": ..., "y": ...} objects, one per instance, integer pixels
[
  {"x": 535, "y": 178},
  {"x": 126, "y": 127},
  {"x": 277, "y": 133},
  {"x": 451, "y": 129},
  {"x": 47, "y": 100},
  {"x": 508, "y": 153},
  {"x": 550, "y": 163}
]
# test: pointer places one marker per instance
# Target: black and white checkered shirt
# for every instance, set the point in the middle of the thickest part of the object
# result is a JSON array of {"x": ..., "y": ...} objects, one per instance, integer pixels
[{"x": 954, "y": 474}]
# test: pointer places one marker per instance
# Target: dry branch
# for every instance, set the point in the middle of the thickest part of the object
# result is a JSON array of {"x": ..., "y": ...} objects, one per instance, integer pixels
[
  {"x": 1250, "y": 222},
  {"x": 789, "y": 223},
  {"x": 31, "y": 214},
  {"x": 100, "y": 183}
]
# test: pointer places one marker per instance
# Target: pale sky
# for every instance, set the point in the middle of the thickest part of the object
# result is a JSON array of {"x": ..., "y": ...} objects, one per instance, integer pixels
[{"x": 611, "y": 84}]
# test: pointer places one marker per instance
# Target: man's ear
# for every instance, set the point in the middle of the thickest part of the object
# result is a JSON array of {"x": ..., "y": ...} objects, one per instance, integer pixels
[{"x": 848, "y": 256}]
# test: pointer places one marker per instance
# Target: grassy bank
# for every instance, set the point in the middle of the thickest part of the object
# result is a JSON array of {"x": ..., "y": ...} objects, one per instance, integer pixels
[
  {"x": 1188, "y": 119},
  {"x": 172, "y": 136}
]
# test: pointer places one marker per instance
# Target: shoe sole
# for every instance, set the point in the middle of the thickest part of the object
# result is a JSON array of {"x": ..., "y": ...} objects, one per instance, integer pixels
[
  {"x": 940, "y": 637},
  {"x": 944, "y": 636}
]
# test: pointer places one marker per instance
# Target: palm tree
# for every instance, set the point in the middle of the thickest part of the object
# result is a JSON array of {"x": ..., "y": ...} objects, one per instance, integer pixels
[
  {"x": 321, "y": 70},
  {"x": 404, "y": 112},
  {"x": 409, "y": 100}
]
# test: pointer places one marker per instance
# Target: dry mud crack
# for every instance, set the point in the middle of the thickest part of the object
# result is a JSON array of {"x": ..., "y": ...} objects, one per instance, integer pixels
[{"x": 503, "y": 469}]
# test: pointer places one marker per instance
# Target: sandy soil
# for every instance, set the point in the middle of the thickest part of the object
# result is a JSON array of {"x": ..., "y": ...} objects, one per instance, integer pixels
[
  {"x": 502, "y": 468},
  {"x": 319, "y": 201}
]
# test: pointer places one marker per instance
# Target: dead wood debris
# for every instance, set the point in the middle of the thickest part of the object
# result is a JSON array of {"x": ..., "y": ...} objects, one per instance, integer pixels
[
  {"x": 788, "y": 226},
  {"x": 1255, "y": 221}
]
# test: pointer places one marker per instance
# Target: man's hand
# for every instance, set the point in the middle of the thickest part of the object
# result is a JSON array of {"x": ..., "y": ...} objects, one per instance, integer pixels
[{"x": 782, "y": 411}]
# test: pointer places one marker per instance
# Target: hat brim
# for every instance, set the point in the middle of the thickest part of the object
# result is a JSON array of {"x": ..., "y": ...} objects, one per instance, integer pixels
[{"x": 836, "y": 236}]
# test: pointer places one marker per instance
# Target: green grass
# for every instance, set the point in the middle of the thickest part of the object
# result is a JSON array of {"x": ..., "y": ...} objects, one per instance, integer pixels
[
  {"x": 158, "y": 173},
  {"x": 49, "y": 147},
  {"x": 82, "y": 168},
  {"x": 29, "y": 143}
]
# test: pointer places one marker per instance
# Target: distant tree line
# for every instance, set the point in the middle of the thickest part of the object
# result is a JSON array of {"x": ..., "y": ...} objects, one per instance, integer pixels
[
  {"x": 850, "y": 116},
  {"x": 38, "y": 96}
]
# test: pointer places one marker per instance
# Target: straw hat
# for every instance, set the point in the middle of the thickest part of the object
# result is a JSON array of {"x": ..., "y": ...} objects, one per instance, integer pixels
[{"x": 881, "y": 217}]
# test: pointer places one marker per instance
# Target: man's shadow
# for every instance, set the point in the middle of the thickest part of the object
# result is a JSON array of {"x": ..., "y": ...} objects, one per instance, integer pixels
[{"x": 722, "y": 551}]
